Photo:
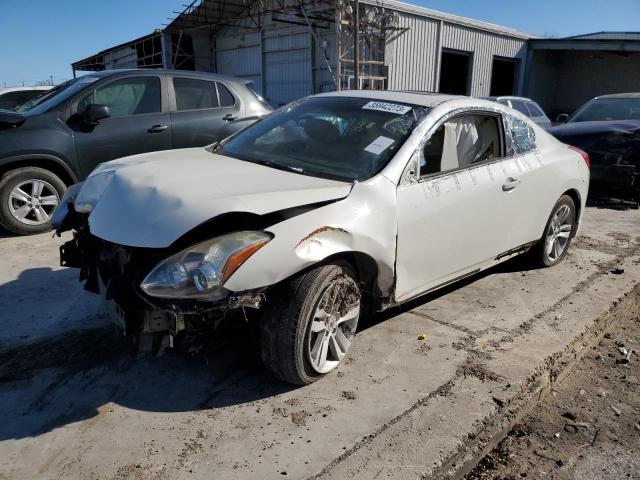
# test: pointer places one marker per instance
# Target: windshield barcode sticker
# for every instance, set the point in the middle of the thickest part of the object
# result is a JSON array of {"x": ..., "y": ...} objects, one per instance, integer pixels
[
  {"x": 379, "y": 145},
  {"x": 387, "y": 107}
]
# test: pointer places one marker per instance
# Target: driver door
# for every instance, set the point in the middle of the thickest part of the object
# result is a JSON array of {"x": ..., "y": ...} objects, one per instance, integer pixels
[
  {"x": 137, "y": 123},
  {"x": 457, "y": 215}
]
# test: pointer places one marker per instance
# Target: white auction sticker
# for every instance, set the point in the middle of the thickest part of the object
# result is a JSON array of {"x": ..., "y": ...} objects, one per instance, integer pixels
[
  {"x": 379, "y": 145},
  {"x": 387, "y": 107}
]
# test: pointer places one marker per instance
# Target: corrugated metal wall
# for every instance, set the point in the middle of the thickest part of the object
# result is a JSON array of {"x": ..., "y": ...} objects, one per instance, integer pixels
[
  {"x": 483, "y": 46},
  {"x": 285, "y": 62},
  {"x": 413, "y": 56}
]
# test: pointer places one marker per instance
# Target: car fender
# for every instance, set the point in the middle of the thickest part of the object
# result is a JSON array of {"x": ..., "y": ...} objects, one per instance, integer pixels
[
  {"x": 28, "y": 159},
  {"x": 364, "y": 222}
]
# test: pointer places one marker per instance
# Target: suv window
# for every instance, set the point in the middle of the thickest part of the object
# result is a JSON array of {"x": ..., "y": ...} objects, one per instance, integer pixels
[
  {"x": 130, "y": 96},
  {"x": 195, "y": 94},
  {"x": 523, "y": 136},
  {"x": 226, "y": 98},
  {"x": 535, "y": 110},
  {"x": 520, "y": 106},
  {"x": 460, "y": 142}
]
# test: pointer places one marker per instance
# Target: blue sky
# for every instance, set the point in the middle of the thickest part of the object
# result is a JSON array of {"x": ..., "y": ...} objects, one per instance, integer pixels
[{"x": 39, "y": 38}]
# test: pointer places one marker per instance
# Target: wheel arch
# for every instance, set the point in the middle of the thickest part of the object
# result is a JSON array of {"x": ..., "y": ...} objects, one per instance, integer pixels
[
  {"x": 577, "y": 200},
  {"x": 47, "y": 162}
]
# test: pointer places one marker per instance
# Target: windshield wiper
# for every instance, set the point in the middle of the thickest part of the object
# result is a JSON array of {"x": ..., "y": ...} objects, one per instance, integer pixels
[{"x": 269, "y": 163}]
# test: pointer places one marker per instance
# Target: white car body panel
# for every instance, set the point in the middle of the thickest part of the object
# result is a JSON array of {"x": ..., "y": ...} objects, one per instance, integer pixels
[
  {"x": 420, "y": 235},
  {"x": 167, "y": 194}
]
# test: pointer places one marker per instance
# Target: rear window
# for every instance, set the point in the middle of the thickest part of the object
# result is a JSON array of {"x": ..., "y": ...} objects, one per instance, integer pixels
[
  {"x": 194, "y": 94},
  {"x": 226, "y": 98},
  {"x": 520, "y": 106},
  {"x": 535, "y": 110}
]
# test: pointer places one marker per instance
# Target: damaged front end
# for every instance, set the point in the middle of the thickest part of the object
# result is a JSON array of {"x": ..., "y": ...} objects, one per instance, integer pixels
[{"x": 161, "y": 297}]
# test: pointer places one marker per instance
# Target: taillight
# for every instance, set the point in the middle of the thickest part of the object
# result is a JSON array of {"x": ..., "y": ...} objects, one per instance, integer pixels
[{"x": 585, "y": 155}]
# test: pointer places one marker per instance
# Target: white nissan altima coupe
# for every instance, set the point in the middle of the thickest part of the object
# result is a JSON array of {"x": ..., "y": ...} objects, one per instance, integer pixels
[{"x": 330, "y": 208}]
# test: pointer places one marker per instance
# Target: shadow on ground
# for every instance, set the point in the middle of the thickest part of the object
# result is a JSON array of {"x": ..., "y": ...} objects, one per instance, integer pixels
[{"x": 73, "y": 376}]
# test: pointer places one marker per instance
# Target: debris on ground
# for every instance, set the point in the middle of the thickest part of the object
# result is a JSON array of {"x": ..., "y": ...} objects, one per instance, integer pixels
[{"x": 584, "y": 429}]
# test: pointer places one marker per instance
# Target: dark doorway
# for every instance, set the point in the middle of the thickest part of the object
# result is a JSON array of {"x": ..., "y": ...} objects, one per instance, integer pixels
[
  {"x": 454, "y": 72},
  {"x": 503, "y": 76}
]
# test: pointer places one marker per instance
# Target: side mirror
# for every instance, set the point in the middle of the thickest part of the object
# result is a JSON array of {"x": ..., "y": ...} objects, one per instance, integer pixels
[
  {"x": 94, "y": 113},
  {"x": 562, "y": 118}
]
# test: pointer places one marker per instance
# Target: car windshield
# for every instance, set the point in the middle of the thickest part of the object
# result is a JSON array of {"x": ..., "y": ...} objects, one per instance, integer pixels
[
  {"x": 341, "y": 138},
  {"x": 608, "y": 109},
  {"x": 56, "y": 95}
]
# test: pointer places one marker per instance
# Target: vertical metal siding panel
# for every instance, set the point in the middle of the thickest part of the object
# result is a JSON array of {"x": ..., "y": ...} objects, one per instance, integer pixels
[
  {"x": 483, "y": 45},
  {"x": 411, "y": 56}
]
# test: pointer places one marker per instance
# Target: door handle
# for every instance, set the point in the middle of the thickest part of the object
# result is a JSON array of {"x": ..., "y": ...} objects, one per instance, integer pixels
[
  {"x": 510, "y": 184},
  {"x": 158, "y": 128},
  {"x": 229, "y": 117}
]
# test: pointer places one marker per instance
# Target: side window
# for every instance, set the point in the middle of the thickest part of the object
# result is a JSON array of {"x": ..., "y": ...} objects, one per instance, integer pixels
[
  {"x": 460, "y": 142},
  {"x": 522, "y": 135},
  {"x": 84, "y": 101},
  {"x": 194, "y": 94},
  {"x": 226, "y": 98},
  {"x": 534, "y": 110},
  {"x": 520, "y": 106},
  {"x": 130, "y": 96}
]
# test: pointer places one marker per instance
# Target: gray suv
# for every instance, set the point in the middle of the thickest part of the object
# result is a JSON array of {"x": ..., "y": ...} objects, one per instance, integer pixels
[{"x": 57, "y": 139}]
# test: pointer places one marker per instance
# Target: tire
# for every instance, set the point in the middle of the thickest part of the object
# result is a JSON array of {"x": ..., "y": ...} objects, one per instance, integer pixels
[
  {"x": 28, "y": 197},
  {"x": 294, "y": 322},
  {"x": 544, "y": 255}
]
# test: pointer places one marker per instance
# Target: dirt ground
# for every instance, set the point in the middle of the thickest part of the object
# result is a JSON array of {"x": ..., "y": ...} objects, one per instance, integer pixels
[
  {"x": 426, "y": 390},
  {"x": 589, "y": 426}
]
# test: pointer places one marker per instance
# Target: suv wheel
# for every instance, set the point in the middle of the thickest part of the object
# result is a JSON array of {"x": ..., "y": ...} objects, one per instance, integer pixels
[{"x": 28, "y": 198}]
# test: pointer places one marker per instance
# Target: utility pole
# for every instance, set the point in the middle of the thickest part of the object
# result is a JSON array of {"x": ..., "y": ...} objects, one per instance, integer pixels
[
  {"x": 356, "y": 44},
  {"x": 51, "y": 78}
]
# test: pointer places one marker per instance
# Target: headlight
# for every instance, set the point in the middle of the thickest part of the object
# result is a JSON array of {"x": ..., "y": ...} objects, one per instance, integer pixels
[
  {"x": 200, "y": 271},
  {"x": 91, "y": 191}
]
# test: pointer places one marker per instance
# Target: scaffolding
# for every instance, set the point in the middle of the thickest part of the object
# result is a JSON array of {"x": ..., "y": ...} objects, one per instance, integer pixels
[{"x": 362, "y": 29}]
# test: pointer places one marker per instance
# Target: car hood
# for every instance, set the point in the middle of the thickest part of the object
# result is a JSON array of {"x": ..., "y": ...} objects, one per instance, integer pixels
[
  {"x": 587, "y": 128},
  {"x": 151, "y": 200}
]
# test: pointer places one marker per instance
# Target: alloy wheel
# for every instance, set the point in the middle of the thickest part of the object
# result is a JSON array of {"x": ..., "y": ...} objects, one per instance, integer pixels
[
  {"x": 558, "y": 233},
  {"x": 333, "y": 325},
  {"x": 33, "y": 202}
]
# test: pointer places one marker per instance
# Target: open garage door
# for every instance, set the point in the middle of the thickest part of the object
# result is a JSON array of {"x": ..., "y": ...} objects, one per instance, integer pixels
[
  {"x": 503, "y": 76},
  {"x": 455, "y": 69}
]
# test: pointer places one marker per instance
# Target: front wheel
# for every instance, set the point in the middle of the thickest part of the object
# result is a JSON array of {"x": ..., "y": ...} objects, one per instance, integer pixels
[
  {"x": 309, "y": 323},
  {"x": 555, "y": 241},
  {"x": 28, "y": 197}
]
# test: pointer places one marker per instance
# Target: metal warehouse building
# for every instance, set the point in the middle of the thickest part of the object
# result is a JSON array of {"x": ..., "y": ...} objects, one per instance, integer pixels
[{"x": 293, "y": 48}]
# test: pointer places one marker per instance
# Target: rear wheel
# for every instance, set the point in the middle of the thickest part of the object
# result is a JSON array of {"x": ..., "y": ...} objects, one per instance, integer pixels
[
  {"x": 28, "y": 198},
  {"x": 555, "y": 241},
  {"x": 308, "y": 324}
]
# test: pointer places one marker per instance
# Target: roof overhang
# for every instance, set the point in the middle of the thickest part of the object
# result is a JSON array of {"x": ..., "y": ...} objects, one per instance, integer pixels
[{"x": 576, "y": 44}]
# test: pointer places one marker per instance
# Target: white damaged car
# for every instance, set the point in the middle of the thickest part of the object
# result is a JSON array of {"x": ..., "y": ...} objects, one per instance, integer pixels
[{"x": 331, "y": 208}]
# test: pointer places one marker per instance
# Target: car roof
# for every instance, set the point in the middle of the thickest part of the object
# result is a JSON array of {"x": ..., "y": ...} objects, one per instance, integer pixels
[
  {"x": 620, "y": 95},
  {"x": 22, "y": 89},
  {"x": 510, "y": 97},
  {"x": 155, "y": 71},
  {"x": 425, "y": 99}
]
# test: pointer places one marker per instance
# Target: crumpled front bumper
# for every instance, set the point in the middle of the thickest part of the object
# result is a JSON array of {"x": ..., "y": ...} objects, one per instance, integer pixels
[{"x": 115, "y": 273}]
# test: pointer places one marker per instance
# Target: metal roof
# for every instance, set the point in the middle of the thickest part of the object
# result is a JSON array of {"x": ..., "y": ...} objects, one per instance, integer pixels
[
  {"x": 606, "y": 36},
  {"x": 449, "y": 18}
]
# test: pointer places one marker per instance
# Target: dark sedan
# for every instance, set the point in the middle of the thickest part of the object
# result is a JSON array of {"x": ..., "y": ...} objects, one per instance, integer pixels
[
  {"x": 57, "y": 139},
  {"x": 608, "y": 129}
]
